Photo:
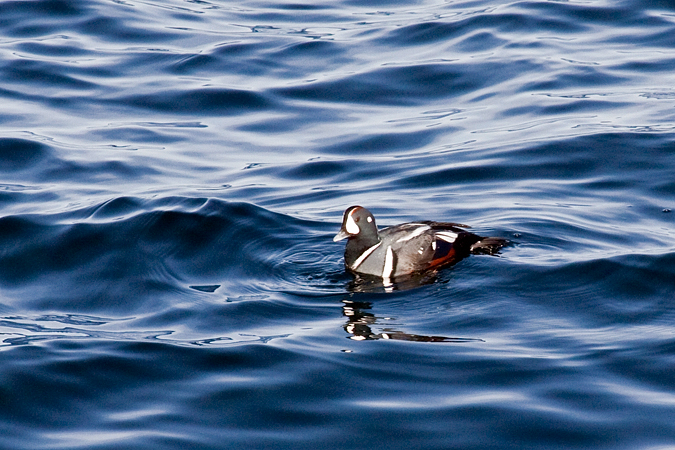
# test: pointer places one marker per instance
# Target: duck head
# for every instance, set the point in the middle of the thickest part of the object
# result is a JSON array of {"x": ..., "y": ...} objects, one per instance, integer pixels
[{"x": 357, "y": 222}]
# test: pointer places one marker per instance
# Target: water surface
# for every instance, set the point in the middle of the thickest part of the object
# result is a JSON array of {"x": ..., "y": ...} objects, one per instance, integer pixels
[{"x": 172, "y": 175}]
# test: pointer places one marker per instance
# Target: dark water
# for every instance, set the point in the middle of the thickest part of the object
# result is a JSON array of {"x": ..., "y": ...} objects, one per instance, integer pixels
[{"x": 172, "y": 174}]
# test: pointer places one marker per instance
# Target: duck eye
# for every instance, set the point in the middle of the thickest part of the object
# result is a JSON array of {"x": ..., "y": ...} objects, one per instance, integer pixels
[{"x": 357, "y": 219}]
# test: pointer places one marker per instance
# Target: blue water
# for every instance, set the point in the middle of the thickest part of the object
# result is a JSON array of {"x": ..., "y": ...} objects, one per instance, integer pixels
[{"x": 172, "y": 174}]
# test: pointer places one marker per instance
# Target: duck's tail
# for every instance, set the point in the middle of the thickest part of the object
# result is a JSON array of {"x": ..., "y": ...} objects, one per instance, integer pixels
[{"x": 488, "y": 246}]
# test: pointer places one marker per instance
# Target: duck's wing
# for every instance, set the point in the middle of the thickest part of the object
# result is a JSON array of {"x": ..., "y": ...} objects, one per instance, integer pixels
[{"x": 457, "y": 227}]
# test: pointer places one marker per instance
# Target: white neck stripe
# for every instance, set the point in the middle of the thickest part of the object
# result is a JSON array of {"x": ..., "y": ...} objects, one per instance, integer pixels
[{"x": 364, "y": 255}]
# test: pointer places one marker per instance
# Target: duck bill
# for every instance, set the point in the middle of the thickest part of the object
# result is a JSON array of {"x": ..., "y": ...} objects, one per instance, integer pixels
[{"x": 341, "y": 235}]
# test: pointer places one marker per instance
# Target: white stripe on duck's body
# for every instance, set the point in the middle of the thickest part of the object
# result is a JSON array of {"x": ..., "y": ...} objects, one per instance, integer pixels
[{"x": 408, "y": 248}]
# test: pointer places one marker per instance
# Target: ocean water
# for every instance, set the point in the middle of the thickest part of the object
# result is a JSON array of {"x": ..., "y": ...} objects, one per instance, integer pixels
[{"x": 172, "y": 174}]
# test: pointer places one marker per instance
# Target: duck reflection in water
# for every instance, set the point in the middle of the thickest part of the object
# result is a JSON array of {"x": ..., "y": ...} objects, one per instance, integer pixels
[
  {"x": 360, "y": 321},
  {"x": 361, "y": 283}
]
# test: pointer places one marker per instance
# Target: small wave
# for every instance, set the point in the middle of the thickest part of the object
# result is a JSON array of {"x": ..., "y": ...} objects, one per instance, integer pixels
[
  {"x": 200, "y": 101},
  {"x": 154, "y": 248},
  {"x": 17, "y": 154}
]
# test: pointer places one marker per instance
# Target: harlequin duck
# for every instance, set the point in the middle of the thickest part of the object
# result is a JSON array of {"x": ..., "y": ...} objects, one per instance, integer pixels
[{"x": 408, "y": 248}]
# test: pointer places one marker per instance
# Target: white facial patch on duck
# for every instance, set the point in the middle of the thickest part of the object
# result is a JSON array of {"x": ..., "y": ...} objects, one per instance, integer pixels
[
  {"x": 447, "y": 236},
  {"x": 351, "y": 226},
  {"x": 413, "y": 234}
]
